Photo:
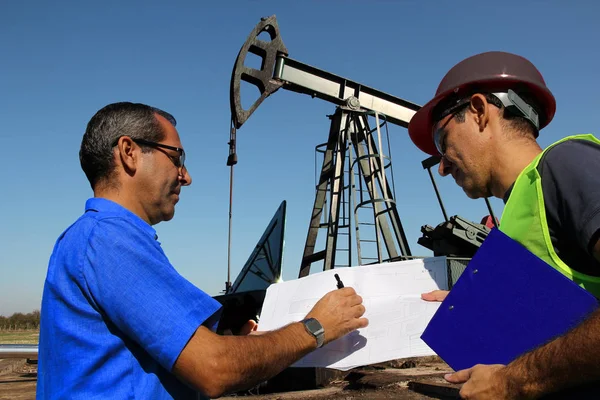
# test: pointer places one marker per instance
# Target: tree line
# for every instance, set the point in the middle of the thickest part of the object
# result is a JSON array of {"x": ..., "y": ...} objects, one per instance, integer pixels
[{"x": 19, "y": 321}]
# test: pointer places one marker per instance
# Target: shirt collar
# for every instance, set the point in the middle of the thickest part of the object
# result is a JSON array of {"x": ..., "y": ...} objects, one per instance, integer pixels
[{"x": 99, "y": 204}]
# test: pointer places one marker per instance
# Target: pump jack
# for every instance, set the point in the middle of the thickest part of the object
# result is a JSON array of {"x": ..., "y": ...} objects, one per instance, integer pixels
[
  {"x": 365, "y": 182},
  {"x": 352, "y": 146}
]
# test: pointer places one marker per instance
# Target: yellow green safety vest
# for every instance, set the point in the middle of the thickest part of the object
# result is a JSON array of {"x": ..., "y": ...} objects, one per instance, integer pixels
[{"x": 524, "y": 220}]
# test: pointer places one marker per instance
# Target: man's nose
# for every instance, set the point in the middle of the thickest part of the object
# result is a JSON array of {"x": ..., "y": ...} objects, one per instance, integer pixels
[
  {"x": 185, "y": 177},
  {"x": 445, "y": 167}
]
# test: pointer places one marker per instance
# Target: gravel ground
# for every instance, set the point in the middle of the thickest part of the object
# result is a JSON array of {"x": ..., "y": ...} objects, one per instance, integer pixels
[{"x": 17, "y": 380}]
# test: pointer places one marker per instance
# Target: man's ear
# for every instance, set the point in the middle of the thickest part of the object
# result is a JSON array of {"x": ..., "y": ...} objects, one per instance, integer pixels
[
  {"x": 128, "y": 154},
  {"x": 481, "y": 109}
]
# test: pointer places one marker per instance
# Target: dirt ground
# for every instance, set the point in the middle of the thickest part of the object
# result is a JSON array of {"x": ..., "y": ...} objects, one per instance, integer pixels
[
  {"x": 404, "y": 379},
  {"x": 17, "y": 380}
]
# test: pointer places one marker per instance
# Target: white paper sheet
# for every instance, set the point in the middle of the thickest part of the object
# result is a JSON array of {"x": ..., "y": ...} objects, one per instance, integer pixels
[{"x": 391, "y": 295}]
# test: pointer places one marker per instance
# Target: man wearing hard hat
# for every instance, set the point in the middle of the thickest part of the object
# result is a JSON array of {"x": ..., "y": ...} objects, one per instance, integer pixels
[{"x": 483, "y": 122}]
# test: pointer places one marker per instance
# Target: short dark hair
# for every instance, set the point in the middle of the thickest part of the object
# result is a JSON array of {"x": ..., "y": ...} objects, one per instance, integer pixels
[{"x": 135, "y": 120}]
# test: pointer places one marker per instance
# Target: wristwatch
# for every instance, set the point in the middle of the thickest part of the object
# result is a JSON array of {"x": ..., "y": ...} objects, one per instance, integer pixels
[{"x": 315, "y": 328}]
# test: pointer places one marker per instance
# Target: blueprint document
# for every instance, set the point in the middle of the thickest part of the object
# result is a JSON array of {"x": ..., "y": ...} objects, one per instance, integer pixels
[{"x": 391, "y": 295}]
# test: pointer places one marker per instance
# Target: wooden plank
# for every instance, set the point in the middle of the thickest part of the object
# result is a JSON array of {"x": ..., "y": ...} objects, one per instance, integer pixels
[{"x": 448, "y": 391}]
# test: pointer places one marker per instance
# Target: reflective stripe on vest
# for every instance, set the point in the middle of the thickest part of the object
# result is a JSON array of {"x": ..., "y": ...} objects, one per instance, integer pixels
[{"x": 524, "y": 220}]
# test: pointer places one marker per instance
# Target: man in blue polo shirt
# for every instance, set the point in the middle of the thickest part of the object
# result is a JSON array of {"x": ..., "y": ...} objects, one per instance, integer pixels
[{"x": 117, "y": 320}]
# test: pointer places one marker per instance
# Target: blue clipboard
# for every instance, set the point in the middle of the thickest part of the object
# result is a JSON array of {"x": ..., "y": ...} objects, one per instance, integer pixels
[{"x": 507, "y": 301}]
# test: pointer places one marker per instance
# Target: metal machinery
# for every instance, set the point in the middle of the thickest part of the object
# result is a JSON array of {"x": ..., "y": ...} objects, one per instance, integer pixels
[
  {"x": 355, "y": 176},
  {"x": 242, "y": 301},
  {"x": 353, "y": 170}
]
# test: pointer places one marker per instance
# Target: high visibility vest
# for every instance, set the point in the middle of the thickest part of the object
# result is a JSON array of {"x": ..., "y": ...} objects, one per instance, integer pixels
[{"x": 524, "y": 220}]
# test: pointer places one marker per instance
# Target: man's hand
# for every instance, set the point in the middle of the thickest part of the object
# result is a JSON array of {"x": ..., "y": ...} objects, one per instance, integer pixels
[
  {"x": 436, "y": 295},
  {"x": 249, "y": 328},
  {"x": 339, "y": 312},
  {"x": 484, "y": 382}
]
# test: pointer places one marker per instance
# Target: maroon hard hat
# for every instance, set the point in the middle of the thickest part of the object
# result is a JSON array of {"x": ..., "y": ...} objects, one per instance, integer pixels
[{"x": 493, "y": 71}]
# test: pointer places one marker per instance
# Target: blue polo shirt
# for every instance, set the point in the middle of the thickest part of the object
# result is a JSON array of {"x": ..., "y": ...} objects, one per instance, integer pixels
[{"x": 115, "y": 313}]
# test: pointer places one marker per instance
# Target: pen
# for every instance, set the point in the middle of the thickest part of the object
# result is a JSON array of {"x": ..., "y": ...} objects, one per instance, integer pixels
[{"x": 340, "y": 284}]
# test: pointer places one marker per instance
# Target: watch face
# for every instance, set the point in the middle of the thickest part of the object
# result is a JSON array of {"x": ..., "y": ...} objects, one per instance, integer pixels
[{"x": 313, "y": 325}]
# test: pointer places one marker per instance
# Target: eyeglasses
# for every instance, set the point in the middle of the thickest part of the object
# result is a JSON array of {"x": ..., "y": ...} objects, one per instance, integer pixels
[
  {"x": 439, "y": 134},
  {"x": 178, "y": 161}
]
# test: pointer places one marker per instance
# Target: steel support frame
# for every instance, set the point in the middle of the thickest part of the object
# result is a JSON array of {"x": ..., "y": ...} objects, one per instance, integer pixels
[
  {"x": 350, "y": 127},
  {"x": 331, "y": 176}
]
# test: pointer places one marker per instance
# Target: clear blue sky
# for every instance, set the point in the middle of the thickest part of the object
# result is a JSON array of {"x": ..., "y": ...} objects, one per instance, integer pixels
[{"x": 62, "y": 61}]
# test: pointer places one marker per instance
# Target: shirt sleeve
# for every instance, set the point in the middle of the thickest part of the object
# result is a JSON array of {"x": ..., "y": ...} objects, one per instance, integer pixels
[
  {"x": 572, "y": 176},
  {"x": 135, "y": 287}
]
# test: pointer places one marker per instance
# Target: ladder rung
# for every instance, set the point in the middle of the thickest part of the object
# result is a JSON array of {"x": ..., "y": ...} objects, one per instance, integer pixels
[
  {"x": 320, "y": 255},
  {"x": 368, "y": 241},
  {"x": 366, "y": 223}
]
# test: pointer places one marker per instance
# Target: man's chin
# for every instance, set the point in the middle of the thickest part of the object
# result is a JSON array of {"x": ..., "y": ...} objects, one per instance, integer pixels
[
  {"x": 476, "y": 193},
  {"x": 167, "y": 216},
  {"x": 472, "y": 193}
]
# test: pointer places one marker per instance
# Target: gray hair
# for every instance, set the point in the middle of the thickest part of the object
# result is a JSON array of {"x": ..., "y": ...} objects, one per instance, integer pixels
[{"x": 113, "y": 121}]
